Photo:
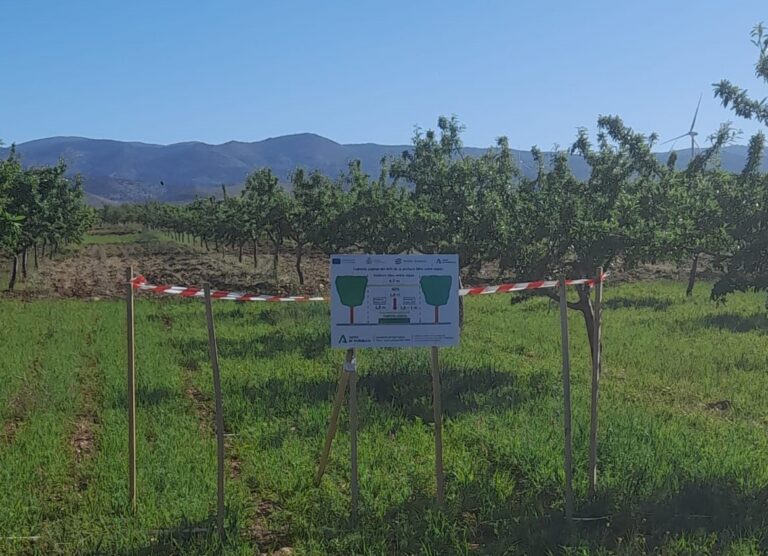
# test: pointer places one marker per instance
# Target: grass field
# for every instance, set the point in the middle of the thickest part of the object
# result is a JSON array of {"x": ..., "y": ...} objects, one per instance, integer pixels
[
  {"x": 679, "y": 472},
  {"x": 138, "y": 236}
]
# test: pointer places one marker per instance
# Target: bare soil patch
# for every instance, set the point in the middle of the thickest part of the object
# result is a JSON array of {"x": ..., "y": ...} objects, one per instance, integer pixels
[
  {"x": 98, "y": 271},
  {"x": 21, "y": 405},
  {"x": 259, "y": 531},
  {"x": 83, "y": 436}
]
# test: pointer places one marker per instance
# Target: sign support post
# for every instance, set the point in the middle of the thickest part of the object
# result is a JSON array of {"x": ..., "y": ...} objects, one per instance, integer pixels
[
  {"x": 214, "y": 355},
  {"x": 130, "y": 332},
  {"x": 566, "y": 401},
  {"x": 596, "y": 363},
  {"x": 350, "y": 367},
  {"x": 438, "y": 412},
  {"x": 337, "y": 402}
]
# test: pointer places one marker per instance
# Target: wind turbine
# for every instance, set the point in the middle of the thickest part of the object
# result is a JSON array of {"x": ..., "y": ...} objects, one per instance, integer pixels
[
  {"x": 690, "y": 133},
  {"x": 523, "y": 165}
]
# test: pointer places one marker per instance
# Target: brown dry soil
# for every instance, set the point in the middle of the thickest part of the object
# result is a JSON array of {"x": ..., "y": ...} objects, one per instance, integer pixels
[{"x": 98, "y": 271}]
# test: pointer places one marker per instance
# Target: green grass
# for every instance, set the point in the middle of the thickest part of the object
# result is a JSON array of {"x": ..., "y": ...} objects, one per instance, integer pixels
[
  {"x": 119, "y": 238},
  {"x": 675, "y": 476}
]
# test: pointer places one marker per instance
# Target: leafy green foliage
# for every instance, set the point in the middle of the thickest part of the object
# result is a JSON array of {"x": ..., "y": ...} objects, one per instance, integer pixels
[
  {"x": 39, "y": 206},
  {"x": 10, "y": 223},
  {"x": 737, "y": 98},
  {"x": 747, "y": 268}
]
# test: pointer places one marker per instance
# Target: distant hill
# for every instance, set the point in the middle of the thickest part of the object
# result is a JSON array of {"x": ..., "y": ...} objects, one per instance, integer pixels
[{"x": 118, "y": 171}]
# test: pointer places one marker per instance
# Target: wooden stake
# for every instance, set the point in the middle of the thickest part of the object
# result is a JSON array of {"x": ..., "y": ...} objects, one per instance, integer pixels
[
  {"x": 213, "y": 352},
  {"x": 343, "y": 380},
  {"x": 438, "y": 412},
  {"x": 131, "y": 389},
  {"x": 596, "y": 353},
  {"x": 353, "y": 437},
  {"x": 566, "y": 402}
]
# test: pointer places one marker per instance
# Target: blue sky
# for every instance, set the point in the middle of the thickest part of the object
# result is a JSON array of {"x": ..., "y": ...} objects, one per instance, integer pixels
[{"x": 362, "y": 71}]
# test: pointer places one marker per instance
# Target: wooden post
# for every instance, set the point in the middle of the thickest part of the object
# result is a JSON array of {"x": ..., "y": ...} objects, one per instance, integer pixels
[
  {"x": 351, "y": 368},
  {"x": 213, "y": 352},
  {"x": 596, "y": 353},
  {"x": 131, "y": 390},
  {"x": 566, "y": 402},
  {"x": 343, "y": 379},
  {"x": 438, "y": 412}
]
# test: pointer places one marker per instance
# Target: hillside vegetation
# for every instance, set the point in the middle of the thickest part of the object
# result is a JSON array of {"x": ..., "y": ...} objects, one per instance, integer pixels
[{"x": 131, "y": 172}]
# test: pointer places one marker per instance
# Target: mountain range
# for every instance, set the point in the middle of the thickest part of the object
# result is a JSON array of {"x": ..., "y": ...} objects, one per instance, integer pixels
[{"x": 120, "y": 171}]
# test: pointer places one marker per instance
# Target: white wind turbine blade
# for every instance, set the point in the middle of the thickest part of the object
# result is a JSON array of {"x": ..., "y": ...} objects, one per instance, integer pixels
[
  {"x": 693, "y": 123},
  {"x": 676, "y": 138}
]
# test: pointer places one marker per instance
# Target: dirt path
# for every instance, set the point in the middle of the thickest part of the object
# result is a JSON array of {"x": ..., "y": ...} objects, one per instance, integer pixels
[{"x": 83, "y": 435}]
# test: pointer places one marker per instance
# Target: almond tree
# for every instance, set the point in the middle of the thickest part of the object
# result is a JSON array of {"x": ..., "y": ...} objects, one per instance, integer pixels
[
  {"x": 558, "y": 225},
  {"x": 264, "y": 208},
  {"x": 747, "y": 269},
  {"x": 699, "y": 197},
  {"x": 455, "y": 197},
  {"x": 315, "y": 215},
  {"x": 737, "y": 98},
  {"x": 52, "y": 208},
  {"x": 10, "y": 223},
  {"x": 379, "y": 215}
]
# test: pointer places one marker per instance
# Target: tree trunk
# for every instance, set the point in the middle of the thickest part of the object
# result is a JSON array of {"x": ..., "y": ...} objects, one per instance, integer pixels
[
  {"x": 240, "y": 253},
  {"x": 206, "y": 246},
  {"x": 275, "y": 257},
  {"x": 587, "y": 310},
  {"x": 299, "y": 253},
  {"x": 14, "y": 267},
  {"x": 35, "y": 252},
  {"x": 42, "y": 249},
  {"x": 24, "y": 265},
  {"x": 692, "y": 275},
  {"x": 255, "y": 260}
]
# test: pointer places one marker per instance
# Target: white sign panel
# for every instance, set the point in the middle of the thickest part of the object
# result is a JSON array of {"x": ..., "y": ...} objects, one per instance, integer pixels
[{"x": 394, "y": 300}]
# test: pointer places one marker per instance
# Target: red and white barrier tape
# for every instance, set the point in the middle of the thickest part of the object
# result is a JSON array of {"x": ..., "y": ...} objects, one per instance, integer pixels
[
  {"x": 140, "y": 283},
  {"x": 520, "y": 286}
]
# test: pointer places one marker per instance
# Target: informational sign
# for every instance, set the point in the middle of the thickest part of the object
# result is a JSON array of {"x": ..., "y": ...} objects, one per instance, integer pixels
[{"x": 394, "y": 300}]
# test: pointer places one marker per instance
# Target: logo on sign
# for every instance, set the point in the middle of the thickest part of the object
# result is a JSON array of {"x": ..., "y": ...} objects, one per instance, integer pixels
[
  {"x": 343, "y": 339},
  {"x": 335, "y": 261},
  {"x": 398, "y": 261}
]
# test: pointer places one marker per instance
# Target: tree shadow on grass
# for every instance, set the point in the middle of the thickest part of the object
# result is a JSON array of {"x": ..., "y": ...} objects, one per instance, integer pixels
[
  {"x": 738, "y": 323},
  {"x": 698, "y": 509},
  {"x": 274, "y": 313},
  {"x": 405, "y": 394},
  {"x": 310, "y": 344},
  {"x": 147, "y": 397},
  {"x": 646, "y": 302},
  {"x": 409, "y": 394},
  {"x": 187, "y": 537},
  {"x": 536, "y": 525}
]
